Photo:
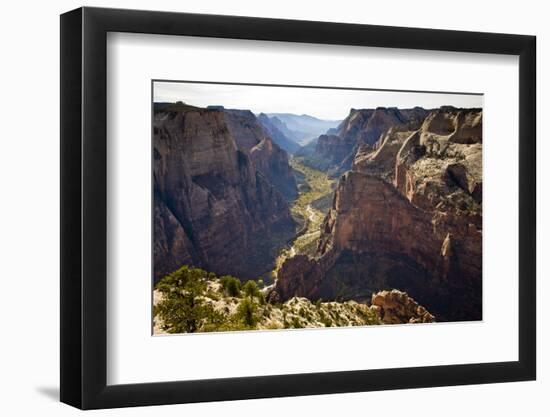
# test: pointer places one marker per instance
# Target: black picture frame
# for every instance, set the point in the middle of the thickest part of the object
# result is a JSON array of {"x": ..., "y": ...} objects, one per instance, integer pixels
[{"x": 84, "y": 207}]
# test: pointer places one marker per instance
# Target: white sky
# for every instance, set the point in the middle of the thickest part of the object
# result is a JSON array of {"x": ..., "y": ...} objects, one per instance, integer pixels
[{"x": 331, "y": 104}]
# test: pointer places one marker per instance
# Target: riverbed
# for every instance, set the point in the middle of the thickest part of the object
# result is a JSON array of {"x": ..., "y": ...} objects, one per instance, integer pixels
[{"x": 308, "y": 210}]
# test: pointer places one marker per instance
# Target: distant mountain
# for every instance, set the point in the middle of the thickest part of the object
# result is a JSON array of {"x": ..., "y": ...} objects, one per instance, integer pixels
[
  {"x": 303, "y": 128},
  {"x": 283, "y": 128},
  {"x": 274, "y": 128}
]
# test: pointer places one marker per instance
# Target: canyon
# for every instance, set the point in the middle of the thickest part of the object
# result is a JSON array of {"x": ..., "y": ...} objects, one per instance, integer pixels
[
  {"x": 220, "y": 185},
  {"x": 385, "y": 202},
  {"x": 406, "y": 215}
]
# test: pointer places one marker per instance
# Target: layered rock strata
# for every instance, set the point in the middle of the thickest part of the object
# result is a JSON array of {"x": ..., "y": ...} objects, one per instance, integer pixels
[
  {"x": 214, "y": 201},
  {"x": 268, "y": 158},
  {"x": 362, "y": 129},
  {"x": 408, "y": 216}
]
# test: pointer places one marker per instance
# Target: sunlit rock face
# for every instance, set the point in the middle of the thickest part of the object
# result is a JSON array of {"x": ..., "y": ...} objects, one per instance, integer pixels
[
  {"x": 362, "y": 129},
  {"x": 406, "y": 215}
]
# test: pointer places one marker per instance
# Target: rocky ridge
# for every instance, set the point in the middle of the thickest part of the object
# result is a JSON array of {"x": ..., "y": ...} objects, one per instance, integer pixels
[
  {"x": 385, "y": 307},
  {"x": 407, "y": 215},
  {"x": 267, "y": 156},
  {"x": 214, "y": 195},
  {"x": 275, "y": 128},
  {"x": 361, "y": 130}
]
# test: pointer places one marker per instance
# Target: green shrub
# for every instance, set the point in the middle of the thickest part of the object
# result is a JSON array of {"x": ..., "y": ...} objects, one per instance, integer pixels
[
  {"x": 251, "y": 290},
  {"x": 231, "y": 286},
  {"x": 215, "y": 321},
  {"x": 182, "y": 308},
  {"x": 213, "y": 295},
  {"x": 261, "y": 299},
  {"x": 180, "y": 278},
  {"x": 247, "y": 313},
  {"x": 296, "y": 323}
]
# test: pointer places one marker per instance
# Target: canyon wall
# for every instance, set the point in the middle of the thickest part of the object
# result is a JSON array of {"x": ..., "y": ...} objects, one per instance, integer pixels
[
  {"x": 406, "y": 215},
  {"x": 268, "y": 158},
  {"x": 276, "y": 130},
  {"x": 219, "y": 187},
  {"x": 362, "y": 129}
]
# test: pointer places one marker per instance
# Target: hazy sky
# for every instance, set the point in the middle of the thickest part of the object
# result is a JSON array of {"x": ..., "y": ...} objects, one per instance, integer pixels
[{"x": 332, "y": 104}]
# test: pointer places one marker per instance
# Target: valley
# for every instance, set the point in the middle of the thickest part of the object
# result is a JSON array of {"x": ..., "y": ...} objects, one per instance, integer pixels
[
  {"x": 378, "y": 220},
  {"x": 315, "y": 193}
]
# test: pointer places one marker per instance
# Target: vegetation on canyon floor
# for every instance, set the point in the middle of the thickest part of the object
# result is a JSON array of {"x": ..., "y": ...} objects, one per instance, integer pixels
[{"x": 316, "y": 190}]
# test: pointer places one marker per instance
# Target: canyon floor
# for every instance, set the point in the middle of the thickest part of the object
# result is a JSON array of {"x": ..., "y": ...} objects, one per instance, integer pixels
[{"x": 315, "y": 193}]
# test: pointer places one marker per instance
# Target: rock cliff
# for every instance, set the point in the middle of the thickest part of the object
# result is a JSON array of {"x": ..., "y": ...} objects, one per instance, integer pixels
[
  {"x": 407, "y": 215},
  {"x": 274, "y": 128},
  {"x": 214, "y": 200},
  {"x": 267, "y": 156},
  {"x": 396, "y": 307},
  {"x": 361, "y": 130}
]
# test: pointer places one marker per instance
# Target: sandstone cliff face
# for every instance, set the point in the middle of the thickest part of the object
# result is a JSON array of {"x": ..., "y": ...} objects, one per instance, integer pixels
[
  {"x": 442, "y": 162},
  {"x": 212, "y": 204},
  {"x": 361, "y": 130},
  {"x": 407, "y": 216},
  {"x": 331, "y": 150},
  {"x": 267, "y": 156},
  {"x": 334, "y": 149},
  {"x": 396, "y": 307},
  {"x": 379, "y": 159}
]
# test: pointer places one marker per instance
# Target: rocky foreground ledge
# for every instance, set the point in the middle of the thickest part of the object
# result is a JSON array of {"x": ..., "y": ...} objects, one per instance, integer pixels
[
  {"x": 218, "y": 305},
  {"x": 396, "y": 307}
]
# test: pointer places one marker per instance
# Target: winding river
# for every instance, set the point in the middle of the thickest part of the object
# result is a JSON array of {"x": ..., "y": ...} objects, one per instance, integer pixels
[{"x": 308, "y": 209}]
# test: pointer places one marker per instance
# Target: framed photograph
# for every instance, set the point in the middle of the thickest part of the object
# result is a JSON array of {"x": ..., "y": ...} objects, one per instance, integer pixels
[{"x": 256, "y": 208}]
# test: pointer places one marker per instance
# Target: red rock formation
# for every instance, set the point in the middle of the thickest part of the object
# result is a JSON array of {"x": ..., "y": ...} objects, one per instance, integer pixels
[
  {"x": 407, "y": 216},
  {"x": 363, "y": 128},
  {"x": 331, "y": 150},
  {"x": 267, "y": 156},
  {"x": 379, "y": 159},
  {"x": 396, "y": 307},
  {"x": 212, "y": 205}
]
